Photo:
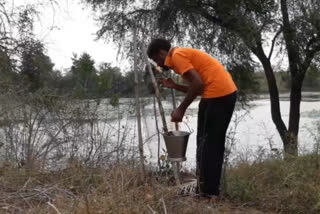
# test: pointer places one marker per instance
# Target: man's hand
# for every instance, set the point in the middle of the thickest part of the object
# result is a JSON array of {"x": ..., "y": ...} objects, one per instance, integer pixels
[
  {"x": 168, "y": 83},
  {"x": 177, "y": 115}
]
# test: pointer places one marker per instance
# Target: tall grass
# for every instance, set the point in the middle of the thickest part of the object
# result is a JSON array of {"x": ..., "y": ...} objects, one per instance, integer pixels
[{"x": 285, "y": 186}]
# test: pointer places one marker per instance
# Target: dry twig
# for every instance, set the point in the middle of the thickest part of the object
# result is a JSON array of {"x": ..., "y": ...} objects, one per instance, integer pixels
[
  {"x": 164, "y": 206},
  {"x": 51, "y": 205}
]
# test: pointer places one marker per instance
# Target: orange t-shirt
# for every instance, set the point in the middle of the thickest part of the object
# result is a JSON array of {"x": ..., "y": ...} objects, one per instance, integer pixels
[{"x": 217, "y": 81}]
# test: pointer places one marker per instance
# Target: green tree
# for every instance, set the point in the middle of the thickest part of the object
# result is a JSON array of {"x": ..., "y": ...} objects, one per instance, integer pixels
[
  {"x": 84, "y": 75},
  {"x": 66, "y": 84},
  {"x": 104, "y": 79},
  {"x": 113, "y": 82},
  {"x": 235, "y": 30},
  {"x": 36, "y": 67},
  {"x": 20, "y": 51},
  {"x": 128, "y": 90}
]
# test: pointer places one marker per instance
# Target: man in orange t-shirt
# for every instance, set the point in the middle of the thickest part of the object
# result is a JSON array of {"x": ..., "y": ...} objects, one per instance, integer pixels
[{"x": 208, "y": 78}]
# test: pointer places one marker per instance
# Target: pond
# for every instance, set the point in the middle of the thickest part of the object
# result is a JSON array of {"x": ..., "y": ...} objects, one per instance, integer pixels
[{"x": 255, "y": 135}]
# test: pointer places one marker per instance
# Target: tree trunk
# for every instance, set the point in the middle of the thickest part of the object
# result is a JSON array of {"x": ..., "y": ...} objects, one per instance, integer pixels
[
  {"x": 157, "y": 128},
  {"x": 291, "y": 143},
  {"x": 138, "y": 112},
  {"x": 274, "y": 94},
  {"x": 289, "y": 136}
]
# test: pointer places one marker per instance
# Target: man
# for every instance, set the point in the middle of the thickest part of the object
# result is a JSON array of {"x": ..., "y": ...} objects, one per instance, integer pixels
[{"x": 208, "y": 78}]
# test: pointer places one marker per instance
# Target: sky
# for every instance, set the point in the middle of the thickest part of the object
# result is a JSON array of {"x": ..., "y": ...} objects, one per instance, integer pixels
[{"x": 69, "y": 28}]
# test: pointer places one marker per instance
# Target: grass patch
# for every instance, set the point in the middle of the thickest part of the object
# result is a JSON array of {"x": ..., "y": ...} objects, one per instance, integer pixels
[{"x": 291, "y": 186}]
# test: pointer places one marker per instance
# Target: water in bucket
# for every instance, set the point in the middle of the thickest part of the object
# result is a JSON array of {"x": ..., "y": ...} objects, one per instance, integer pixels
[{"x": 176, "y": 143}]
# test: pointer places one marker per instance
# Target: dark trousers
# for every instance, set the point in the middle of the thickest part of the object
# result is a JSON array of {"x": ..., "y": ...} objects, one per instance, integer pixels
[{"x": 213, "y": 120}]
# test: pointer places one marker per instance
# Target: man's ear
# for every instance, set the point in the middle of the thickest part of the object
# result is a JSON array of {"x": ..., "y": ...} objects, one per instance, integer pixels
[{"x": 163, "y": 53}]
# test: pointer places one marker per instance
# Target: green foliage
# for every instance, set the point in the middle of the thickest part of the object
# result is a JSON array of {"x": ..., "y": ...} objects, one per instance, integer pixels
[
  {"x": 36, "y": 67},
  {"x": 113, "y": 77},
  {"x": 105, "y": 78},
  {"x": 84, "y": 76},
  {"x": 114, "y": 100},
  {"x": 84, "y": 80},
  {"x": 24, "y": 62},
  {"x": 129, "y": 85},
  {"x": 245, "y": 78}
]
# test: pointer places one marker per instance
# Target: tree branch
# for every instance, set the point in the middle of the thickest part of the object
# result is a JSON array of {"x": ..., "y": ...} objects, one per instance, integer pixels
[
  {"x": 139, "y": 12},
  {"x": 290, "y": 37},
  {"x": 273, "y": 42},
  {"x": 273, "y": 91},
  {"x": 209, "y": 17}
]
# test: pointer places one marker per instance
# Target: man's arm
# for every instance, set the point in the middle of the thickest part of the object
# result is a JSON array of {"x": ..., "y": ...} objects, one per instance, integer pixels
[
  {"x": 196, "y": 88},
  {"x": 169, "y": 83},
  {"x": 182, "y": 88}
]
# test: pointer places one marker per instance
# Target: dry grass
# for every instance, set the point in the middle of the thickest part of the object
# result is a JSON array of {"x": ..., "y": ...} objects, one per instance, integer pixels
[
  {"x": 92, "y": 191},
  {"x": 291, "y": 186},
  {"x": 272, "y": 186}
]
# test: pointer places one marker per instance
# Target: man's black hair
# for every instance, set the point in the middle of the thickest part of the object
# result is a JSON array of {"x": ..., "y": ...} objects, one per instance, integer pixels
[{"x": 156, "y": 45}]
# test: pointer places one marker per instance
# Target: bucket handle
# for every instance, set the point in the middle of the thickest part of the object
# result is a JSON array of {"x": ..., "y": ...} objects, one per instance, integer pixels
[{"x": 190, "y": 130}]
